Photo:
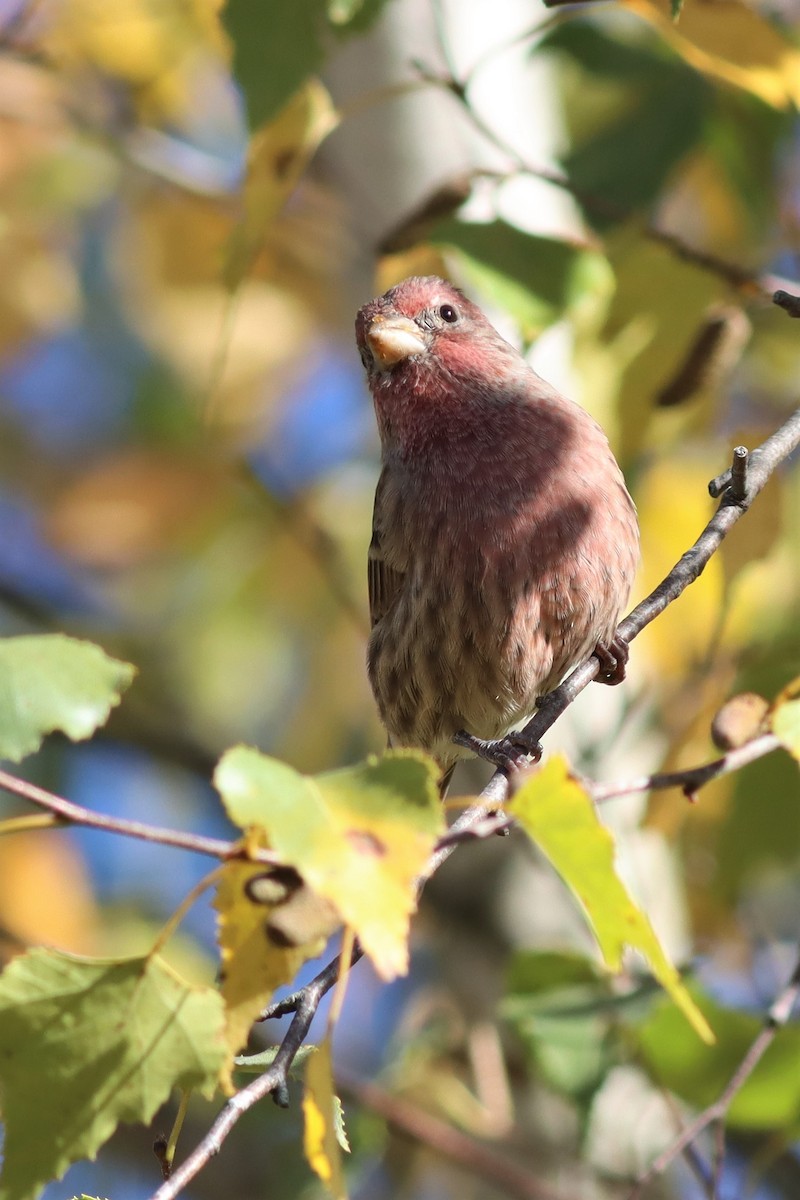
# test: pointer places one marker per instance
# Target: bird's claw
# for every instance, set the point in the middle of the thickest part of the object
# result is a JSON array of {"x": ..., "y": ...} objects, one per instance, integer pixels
[
  {"x": 613, "y": 659},
  {"x": 508, "y": 753}
]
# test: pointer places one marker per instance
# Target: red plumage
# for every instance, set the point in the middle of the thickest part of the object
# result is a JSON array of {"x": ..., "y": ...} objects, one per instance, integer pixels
[{"x": 504, "y": 540}]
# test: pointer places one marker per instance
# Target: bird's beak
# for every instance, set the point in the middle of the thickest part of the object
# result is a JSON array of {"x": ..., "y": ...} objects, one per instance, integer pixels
[{"x": 393, "y": 339}]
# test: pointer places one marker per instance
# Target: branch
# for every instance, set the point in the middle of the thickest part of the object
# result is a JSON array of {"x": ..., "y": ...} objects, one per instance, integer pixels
[
  {"x": 740, "y": 278},
  {"x": 738, "y": 487},
  {"x": 482, "y": 818},
  {"x": 273, "y": 1081},
  {"x": 776, "y": 1018},
  {"x": 691, "y": 779},
  {"x": 68, "y": 813},
  {"x": 479, "y": 1159}
]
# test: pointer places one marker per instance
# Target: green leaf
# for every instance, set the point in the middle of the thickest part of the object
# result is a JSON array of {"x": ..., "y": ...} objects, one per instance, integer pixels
[
  {"x": 656, "y": 120},
  {"x": 564, "y": 1013},
  {"x": 277, "y": 46},
  {"x": 675, "y": 7},
  {"x": 785, "y": 718},
  {"x": 538, "y": 971},
  {"x": 53, "y": 682},
  {"x": 354, "y": 16},
  {"x": 769, "y": 1100},
  {"x": 87, "y": 1043},
  {"x": 559, "y": 817},
  {"x": 758, "y": 837},
  {"x": 359, "y": 837},
  {"x": 257, "y": 1064},
  {"x": 536, "y": 279}
]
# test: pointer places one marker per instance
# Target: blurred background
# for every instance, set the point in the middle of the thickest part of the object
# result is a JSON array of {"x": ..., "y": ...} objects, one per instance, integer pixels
[{"x": 195, "y": 199}]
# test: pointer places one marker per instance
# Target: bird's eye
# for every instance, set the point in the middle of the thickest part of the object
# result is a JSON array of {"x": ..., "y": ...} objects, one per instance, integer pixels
[{"x": 448, "y": 313}]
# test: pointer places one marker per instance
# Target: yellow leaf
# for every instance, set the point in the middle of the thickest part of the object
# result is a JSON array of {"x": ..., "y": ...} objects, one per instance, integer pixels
[
  {"x": 279, "y": 154},
  {"x": 560, "y": 818},
  {"x": 320, "y": 1142},
  {"x": 785, "y": 718},
  {"x": 359, "y": 837},
  {"x": 153, "y": 46},
  {"x": 252, "y": 964},
  {"x": 647, "y": 337},
  {"x": 45, "y": 895},
  {"x": 674, "y": 507},
  {"x": 732, "y": 42}
]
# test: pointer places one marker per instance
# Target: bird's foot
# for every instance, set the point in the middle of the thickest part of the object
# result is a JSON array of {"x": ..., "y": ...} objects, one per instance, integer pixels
[
  {"x": 507, "y": 753},
  {"x": 613, "y": 659}
]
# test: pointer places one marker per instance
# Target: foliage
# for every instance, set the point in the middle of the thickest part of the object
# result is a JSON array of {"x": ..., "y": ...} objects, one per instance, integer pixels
[{"x": 190, "y": 216}]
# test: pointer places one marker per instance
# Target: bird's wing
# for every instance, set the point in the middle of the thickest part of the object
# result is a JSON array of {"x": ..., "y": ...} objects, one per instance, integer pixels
[{"x": 384, "y": 582}]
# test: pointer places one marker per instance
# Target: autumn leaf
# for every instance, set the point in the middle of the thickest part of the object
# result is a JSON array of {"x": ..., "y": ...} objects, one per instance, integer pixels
[
  {"x": 111, "y": 1038},
  {"x": 253, "y": 964},
  {"x": 731, "y": 42},
  {"x": 560, "y": 818},
  {"x": 322, "y": 1138},
  {"x": 358, "y": 837},
  {"x": 784, "y": 718}
]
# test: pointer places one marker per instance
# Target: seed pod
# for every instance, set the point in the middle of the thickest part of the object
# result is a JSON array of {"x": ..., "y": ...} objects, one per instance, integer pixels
[{"x": 738, "y": 721}]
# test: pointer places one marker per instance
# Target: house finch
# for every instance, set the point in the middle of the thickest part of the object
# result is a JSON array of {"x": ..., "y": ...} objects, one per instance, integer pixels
[{"x": 504, "y": 541}]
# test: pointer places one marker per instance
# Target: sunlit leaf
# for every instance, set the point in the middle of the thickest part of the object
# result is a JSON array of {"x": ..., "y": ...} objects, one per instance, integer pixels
[
  {"x": 111, "y": 1038},
  {"x": 785, "y": 718},
  {"x": 280, "y": 152},
  {"x": 730, "y": 41},
  {"x": 636, "y": 104},
  {"x": 153, "y": 46},
  {"x": 359, "y": 837},
  {"x": 559, "y": 817},
  {"x": 322, "y": 1118},
  {"x": 52, "y": 682},
  {"x": 276, "y": 49},
  {"x": 673, "y": 508},
  {"x": 253, "y": 964},
  {"x": 770, "y": 1098}
]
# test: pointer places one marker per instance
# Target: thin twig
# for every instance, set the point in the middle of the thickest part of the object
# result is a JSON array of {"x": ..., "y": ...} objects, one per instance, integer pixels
[
  {"x": 776, "y": 1018},
  {"x": 273, "y": 1081},
  {"x": 788, "y": 302},
  {"x": 691, "y": 779},
  {"x": 481, "y": 820},
  {"x": 68, "y": 813},
  {"x": 761, "y": 465},
  {"x": 476, "y": 1157},
  {"x": 740, "y": 278}
]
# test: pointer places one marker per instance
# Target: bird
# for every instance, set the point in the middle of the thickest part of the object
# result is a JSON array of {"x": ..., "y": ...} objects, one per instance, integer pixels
[{"x": 504, "y": 541}]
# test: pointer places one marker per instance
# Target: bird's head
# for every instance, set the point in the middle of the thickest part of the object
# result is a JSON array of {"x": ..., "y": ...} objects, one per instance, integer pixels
[
  {"x": 431, "y": 354},
  {"x": 425, "y": 325}
]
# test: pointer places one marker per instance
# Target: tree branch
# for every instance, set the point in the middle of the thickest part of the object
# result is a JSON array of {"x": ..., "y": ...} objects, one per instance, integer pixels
[
  {"x": 273, "y": 1081},
  {"x": 760, "y": 465},
  {"x": 482, "y": 819},
  {"x": 740, "y": 278},
  {"x": 68, "y": 813},
  {"x": 777, "y": 1017},
  {"x": 691, "y": 779},
  {"x": 476, "y": 1157}
]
